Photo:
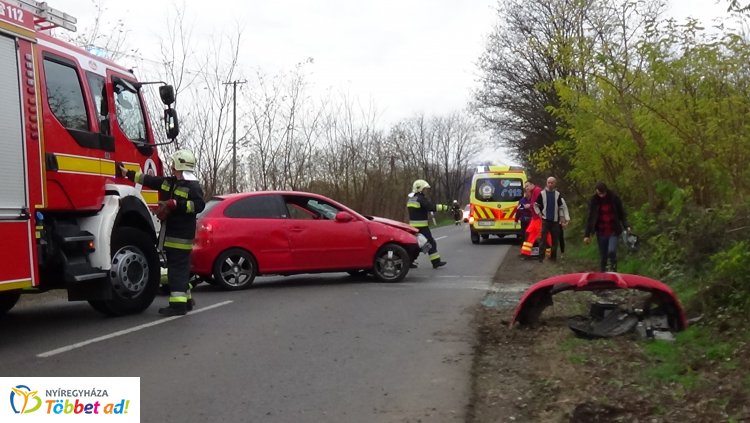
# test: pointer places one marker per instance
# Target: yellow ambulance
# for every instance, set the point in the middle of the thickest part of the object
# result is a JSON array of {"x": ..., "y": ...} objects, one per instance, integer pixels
[{"x": 495, "y": 192}]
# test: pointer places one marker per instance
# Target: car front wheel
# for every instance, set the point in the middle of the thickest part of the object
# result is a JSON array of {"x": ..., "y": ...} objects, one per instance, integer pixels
[
  {"x": 235, "y": 269},
  {"x": 391, "y": 263}
]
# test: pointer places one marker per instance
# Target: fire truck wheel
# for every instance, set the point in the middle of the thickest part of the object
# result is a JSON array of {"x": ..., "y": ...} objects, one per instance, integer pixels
[
  {"x": 8, "y": 300},
  {"x": 134, "y": 277}
]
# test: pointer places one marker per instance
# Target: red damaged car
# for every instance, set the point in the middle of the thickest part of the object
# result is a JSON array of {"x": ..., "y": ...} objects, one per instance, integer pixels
[{"x": 241, "y": 236}]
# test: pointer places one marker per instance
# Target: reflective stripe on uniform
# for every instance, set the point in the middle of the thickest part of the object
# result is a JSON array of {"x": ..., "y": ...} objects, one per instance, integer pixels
[
  {"x": 138, "y": 178},
  {"x": 434, "y": 257},
  {"x": 189, "y": 207},
  {"x": 165, "y": 186},
  {"x": 178, "y": 243},
  {"x": 441, "y": 207},
  {"x": 419, "y": 223},
  {"x": 178, "y": 297},
  {"x": 413, "y": 203},
  {"x": 181, "y": 192}
]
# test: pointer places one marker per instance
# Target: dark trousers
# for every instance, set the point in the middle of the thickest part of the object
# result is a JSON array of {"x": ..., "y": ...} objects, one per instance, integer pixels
[
  {"x": 433, "y": 244},
  {"x": 552, "y": 228},
  {"x": 607, "y": 251},
  {"x": 524, "y": 226},
  {"x": 178, "y": 270}
]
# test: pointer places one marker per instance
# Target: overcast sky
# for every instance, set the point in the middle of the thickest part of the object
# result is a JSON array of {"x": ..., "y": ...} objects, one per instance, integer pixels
[{"x": 405, "y": 56}]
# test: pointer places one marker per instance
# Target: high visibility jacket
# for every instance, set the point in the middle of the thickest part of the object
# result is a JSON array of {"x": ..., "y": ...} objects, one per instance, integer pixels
[
  {"x": 419, "y": 208},
  {"x": 188, "y": 196}
]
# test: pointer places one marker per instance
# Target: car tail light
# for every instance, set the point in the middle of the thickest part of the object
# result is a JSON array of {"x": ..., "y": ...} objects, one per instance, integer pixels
[{"x": 204, "y": 235}]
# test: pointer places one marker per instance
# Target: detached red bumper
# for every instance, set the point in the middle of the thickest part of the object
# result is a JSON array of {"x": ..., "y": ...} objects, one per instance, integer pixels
[{"x": 539, "y": 295}]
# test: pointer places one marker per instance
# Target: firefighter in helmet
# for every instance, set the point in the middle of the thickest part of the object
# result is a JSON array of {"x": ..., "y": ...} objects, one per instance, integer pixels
[
  {"x": 419, "y": 207},
  {"x": 182, "y": 200}
]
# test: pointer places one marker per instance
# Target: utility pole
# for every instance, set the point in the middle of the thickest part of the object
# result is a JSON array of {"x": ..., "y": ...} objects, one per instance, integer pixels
[{"x": 234, "y": 132}]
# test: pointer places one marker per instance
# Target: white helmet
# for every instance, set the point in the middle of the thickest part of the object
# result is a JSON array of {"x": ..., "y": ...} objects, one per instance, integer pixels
[
  {"x": 419, "y": 185},
  {"x": 183, "y": 160}
]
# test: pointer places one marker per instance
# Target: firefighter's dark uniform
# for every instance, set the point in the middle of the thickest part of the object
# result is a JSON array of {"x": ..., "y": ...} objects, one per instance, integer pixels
[
  {"x": 419, "y": 208},
  {"x": 180, "y": 232}
]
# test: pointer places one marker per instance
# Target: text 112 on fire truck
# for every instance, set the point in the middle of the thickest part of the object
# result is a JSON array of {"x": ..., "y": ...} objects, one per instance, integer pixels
[{"x": 66, "y": 118}]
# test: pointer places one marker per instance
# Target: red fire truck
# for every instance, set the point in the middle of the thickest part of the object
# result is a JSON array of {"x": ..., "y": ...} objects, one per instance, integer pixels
[{"x": 66, "y": 118}]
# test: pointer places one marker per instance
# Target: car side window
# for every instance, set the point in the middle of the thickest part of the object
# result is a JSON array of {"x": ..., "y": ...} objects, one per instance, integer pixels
[
  {"x": 301, "y": 207},
  {"x": 325, "y": 210},
  {"x": 257, "y": 206},
  {"x": 299, "y": 213}
]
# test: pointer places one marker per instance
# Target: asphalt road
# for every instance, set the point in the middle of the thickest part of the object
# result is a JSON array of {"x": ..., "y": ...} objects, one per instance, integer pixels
[{"x": 307, "y": 348}]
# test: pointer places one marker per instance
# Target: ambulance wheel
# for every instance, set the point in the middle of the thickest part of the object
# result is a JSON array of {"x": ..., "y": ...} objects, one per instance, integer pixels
[
  {"x": 8, "y": 300},
  {"x": 474, "y": 237},
  {"x": 134, "y": 276}
]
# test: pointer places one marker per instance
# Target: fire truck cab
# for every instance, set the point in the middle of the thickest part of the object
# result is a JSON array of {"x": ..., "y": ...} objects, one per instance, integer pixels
[{"x": 66, "y": 118}]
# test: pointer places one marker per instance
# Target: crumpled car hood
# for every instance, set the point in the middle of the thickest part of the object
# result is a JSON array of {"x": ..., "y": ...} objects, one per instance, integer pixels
[{"x": 394, "y": 223}]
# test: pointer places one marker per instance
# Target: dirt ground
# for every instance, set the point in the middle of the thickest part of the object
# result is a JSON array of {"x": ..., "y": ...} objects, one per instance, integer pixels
[{"x": 546, "y": 374}]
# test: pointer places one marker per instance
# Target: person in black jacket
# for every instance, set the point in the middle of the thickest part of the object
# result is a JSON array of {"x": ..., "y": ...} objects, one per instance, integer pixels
[
  {"x": 606, "y": 218},
  {"x": 183, "y": 200},
  {"x": 419, "y": 208}
]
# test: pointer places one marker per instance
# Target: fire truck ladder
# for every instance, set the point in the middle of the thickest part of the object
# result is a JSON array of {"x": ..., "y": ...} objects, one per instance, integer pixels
[{"x": 45, "y": 17}]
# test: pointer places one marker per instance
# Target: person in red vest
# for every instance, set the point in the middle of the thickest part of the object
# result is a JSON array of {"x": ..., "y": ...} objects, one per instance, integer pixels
[{"x": 534, "y": 228}]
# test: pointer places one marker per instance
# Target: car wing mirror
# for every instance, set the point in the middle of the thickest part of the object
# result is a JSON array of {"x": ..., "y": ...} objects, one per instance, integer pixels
[{"x": 343, "y": 216}]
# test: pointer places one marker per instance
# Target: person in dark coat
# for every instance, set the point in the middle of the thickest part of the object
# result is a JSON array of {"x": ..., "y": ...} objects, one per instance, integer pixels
[{"x": 606, "y": 218}]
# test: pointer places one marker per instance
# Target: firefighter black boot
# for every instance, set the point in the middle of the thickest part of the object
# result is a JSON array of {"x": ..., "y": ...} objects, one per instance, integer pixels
[
  {"x": 174, "y": 309},
  {"x": 190, "y": 305},
  {"x": 438, "y": 263}
]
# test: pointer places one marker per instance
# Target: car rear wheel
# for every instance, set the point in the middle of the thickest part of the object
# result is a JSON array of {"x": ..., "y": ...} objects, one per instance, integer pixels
[
  {"x": 474, "y": 237},
  {"x": 391, "y": 263},
  {"x": 235, "y": 269}
]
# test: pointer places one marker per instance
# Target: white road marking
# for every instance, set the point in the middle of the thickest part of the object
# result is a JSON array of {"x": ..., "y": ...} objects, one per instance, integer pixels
[
  {"x": 441, "y": 237},
  {"x": 125, "y": 331}
]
